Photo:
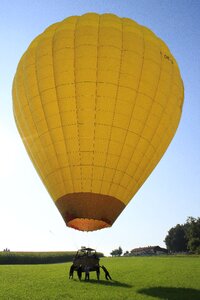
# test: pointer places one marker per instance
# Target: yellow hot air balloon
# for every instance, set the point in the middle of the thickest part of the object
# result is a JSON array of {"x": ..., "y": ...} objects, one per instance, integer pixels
[{"x": 97, "y": 100}]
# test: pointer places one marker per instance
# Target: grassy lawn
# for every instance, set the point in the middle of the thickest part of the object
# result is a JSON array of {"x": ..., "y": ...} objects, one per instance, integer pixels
[{"x": 171, "y": 278}]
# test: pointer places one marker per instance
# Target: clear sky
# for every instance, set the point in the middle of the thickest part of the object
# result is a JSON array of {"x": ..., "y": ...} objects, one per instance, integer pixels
[{"x": 29, "y": 220}]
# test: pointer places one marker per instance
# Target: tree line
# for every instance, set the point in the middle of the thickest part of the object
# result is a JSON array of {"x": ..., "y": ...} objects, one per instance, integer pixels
[
  {"x": 184, "y": 237},
  {"x": 180, "y": 238},
  {"x": 117, "y": 252}
]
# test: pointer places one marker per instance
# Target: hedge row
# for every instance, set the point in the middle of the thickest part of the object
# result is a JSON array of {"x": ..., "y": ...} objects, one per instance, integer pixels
[
  {"x": 35, "y": 257},
  {"x": 26, "y": 258}
]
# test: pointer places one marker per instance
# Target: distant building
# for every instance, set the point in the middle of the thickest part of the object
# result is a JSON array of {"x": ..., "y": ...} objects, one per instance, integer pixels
[{"x": 150, "y": 250}]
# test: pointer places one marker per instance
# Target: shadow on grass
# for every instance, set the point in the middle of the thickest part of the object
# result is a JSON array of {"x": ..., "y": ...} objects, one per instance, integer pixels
[
  {"x": 171, "y": 293},
  {"x": 108, "y": 283}
]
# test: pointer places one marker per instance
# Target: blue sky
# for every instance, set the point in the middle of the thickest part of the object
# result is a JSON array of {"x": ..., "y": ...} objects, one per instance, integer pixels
[{"x": 29, "y": 219}]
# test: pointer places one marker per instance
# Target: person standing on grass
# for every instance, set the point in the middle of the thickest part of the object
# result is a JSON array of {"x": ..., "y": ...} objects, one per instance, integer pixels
[
  {"x": 98, "y": 271},
  {"x": 87, "y": 273},
  {"x": 71, "y": 271},
  {"x": 107, "y": 275},
  {"x": 79, "y": 272}
]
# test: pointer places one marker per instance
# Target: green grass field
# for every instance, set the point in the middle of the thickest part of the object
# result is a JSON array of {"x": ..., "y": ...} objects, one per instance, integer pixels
[{"x": 171, "y": 278}]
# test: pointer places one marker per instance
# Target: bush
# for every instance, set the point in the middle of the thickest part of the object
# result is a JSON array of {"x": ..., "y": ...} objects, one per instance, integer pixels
[
  {"x": 26, "y": 258},
  {"x": 35, "y": 257}
]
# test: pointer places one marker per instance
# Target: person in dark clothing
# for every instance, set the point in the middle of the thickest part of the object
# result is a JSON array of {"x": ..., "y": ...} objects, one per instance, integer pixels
[
  {"x": 71, "y": 271},
  {"x": 79, "y": 272},
  {"x": 98, "y": 272},
  {"x": 107, "y": 275},
  {"x": 87, "y": 273}
]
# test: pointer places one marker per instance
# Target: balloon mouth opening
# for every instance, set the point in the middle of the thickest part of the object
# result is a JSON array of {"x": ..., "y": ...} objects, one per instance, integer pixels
[
  {"x": 87, "y": 224},
  {"x": 87, "y": 211}
]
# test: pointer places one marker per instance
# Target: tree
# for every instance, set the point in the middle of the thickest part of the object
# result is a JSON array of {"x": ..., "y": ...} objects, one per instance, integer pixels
[
  {"x": 184, "y": 237},
  {"x": 192, "y": 229},
  {"x": 117, "y": 252},
  {"x": 120, "y": 251},
  {"x": 176, "y": 240},
  {"x": 194, "y": 245}
]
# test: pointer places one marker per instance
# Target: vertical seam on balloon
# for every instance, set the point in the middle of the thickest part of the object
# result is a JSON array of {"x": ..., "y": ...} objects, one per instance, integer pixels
[
  {"x": 132, "y": 111},
  {"x": 116, "y": 98},
  {"x": 167, "y": 101},
  {"x": 25, "y": 91},
  {"x": 95, "y": 108},
  {"x": 144, "y": 124},
  {"x": 17, "y": 104},
  {"x": 28, "y": 149},
  {"x": 45, "y": 117},
  {"x": 163, "y": 136},
  {"x": 156, "y": 91},
  {"x": 78, "y": 133},
  {"x": 58, "y": 103},
  {"x": 28, "y": 129}
]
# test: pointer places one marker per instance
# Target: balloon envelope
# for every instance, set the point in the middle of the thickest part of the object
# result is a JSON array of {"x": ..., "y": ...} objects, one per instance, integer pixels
[{"x": 97, "y": 100}]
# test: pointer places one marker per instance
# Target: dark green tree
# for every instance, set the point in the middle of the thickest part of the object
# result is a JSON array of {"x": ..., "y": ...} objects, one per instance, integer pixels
[
  {"x": 192, "y": 229},
  {"x": 117, "y": 252},
  {"x": 126, "y": 253},
  {"x": 194, "y": 245},
  {"x": 184, "y": 237},
  {"x": 120, "y": 251},
  {"x": 176, "y": 240}
]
